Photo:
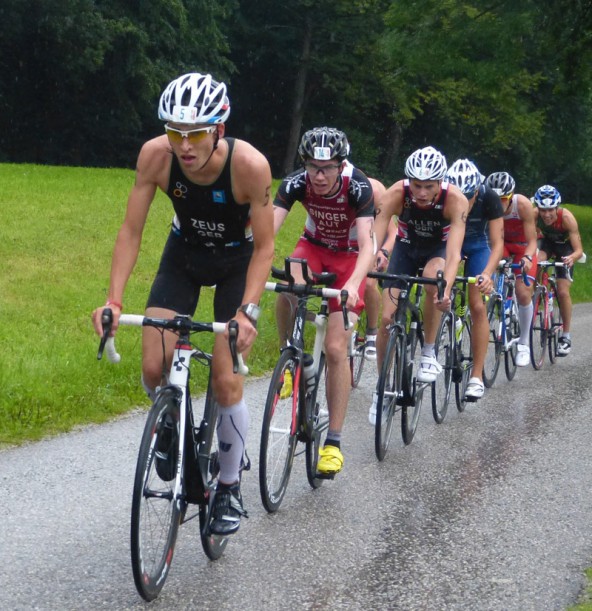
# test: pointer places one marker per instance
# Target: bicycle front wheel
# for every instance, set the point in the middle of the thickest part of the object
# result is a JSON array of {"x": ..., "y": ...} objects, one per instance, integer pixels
[
  {"x": 358, "y": 350},
  {"x": 538, "y": 330},
  {"x": 318, "y": 422},
  {"x": 555, "y": 328},
  {"x": 411, "y": 409},
  {"x": 278, "y": 433},
  {"x": 156, "y": 512},
  {"x": 513, "y": 333},
  {"x": 388, "y": 391},
  {"x": 464, "y": 365},
  {"x": 442, "y": 385},
  {"x": 494, "y": 348}
]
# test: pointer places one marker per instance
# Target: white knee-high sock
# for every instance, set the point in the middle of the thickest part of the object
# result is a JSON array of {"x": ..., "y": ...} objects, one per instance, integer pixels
[
  {"x": 233, "y": 424},
  {"x": 525, "y": 318}
]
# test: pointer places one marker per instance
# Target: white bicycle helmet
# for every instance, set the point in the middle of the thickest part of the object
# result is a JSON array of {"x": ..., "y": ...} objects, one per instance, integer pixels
[
  {"x": 194, "y": 98},
  {"x": 465, "y": 175},
  {"x": 502, "y": 183},
  {"x": 547, "y": 197},
  {"x": 323, "y": 144},
  {"x": 426, "y": 164}
]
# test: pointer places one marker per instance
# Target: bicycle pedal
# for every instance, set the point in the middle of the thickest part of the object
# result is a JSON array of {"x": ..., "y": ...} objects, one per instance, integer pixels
[
  {"x": 325, "y": 475},
  {"x": 472, "y": 399}
]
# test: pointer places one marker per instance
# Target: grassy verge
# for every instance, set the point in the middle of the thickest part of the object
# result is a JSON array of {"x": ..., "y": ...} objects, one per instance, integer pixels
[{"x": 59, "y": 226}]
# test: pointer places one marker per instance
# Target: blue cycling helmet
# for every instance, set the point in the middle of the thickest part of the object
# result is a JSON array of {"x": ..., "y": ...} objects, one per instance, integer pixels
[{"x": 547, "y": 197}]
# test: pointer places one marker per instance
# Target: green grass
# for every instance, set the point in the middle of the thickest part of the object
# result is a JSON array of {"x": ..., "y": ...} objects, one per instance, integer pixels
[{"x": 59, "y": 226}]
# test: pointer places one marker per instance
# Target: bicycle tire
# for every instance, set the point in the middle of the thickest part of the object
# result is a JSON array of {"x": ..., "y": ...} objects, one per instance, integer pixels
[
  {"x": 556, "y": 326},
  {"x": 410, "y": 411},
  {"x": 494, "y": 349},
  {"x": 318, "y": 420},
  {"x": 442, "y": 386},
  {"x": 156, "y": 514},
  {"x": 358, "y": 350},
  {"x": 513, "y": 331},
  {"x": 278, "y": 434},
  {"x": 388, "y": 390},
  {"x": 464, "y": 357},
  {"x": 206, "y": 451},
  {"x": 538, "y": 330}
]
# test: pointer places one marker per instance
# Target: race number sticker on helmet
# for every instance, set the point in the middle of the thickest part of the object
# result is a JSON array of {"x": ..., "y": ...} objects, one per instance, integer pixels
[
  {"x": 184, "y": 114},
  {"x": 322, "y": 153}
]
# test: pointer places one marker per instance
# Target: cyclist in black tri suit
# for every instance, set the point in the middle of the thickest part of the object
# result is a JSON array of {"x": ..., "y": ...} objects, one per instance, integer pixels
[
  {"x": 432, "y": 217},
  {"x": 222, "y": 234},
  {"x": 559, "y": 238},
  {"x": 337, "y": 238}
]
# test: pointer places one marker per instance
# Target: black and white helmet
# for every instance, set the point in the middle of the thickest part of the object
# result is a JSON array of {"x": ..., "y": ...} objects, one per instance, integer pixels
[
  {"x": 502, "y": 183},
  {"x": 547, "y": 197},
  {"x": 194, "y": 98},
  {"x": 465, "y": 175},
  {"x": 426, "y": 164},
  {"x": 323, "y": 144}
]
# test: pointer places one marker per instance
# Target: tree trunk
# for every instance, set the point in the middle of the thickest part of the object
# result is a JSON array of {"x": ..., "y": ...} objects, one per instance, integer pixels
[{"x": 299, "y": 101}]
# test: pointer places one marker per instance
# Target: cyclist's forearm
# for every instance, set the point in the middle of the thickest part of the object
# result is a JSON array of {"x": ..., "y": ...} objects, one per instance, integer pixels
[
  {"x": 258, "y": 273},
  {"x": 125, "y": 255}
]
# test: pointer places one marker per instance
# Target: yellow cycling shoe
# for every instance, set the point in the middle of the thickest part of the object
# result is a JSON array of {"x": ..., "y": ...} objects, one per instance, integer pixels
[
  {"x": 330, "y": 460},
  {"x": 287, "y": 387}
]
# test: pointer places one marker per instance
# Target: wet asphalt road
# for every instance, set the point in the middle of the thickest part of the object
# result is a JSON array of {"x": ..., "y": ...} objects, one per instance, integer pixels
[{"x": 490, "y": 510}]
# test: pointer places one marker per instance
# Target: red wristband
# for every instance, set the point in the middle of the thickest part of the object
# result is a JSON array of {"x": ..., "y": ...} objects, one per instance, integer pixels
[{"x": 110, "y": 302}]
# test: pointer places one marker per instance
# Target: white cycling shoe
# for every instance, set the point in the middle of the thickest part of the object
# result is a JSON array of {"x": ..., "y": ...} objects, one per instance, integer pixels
[
  {"x": 523, "y": 355},
  {"x": 429, "y": 369}
]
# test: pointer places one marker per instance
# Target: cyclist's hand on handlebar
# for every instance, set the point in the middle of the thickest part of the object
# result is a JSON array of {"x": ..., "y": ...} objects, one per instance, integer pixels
[
  {"x": 444, "y": 304},
  {"x": 526, "y": 265},
  {"x": 353, "y": 297},
  {"x": 97, "y": 319},
  {"x": 247, "y": 332},
  {"x": 484, "y": 283}
]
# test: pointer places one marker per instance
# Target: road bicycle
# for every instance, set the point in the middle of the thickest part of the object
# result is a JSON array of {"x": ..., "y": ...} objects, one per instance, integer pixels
[
  {"x": 547, "y": 325},
  {"x": 454, "y": 351},
  {"x": 177, "y": 462},
  {"x": 296, "y": 405},
  {"x": 504, "y": 323},
  {"x": 398, "y": 387}
]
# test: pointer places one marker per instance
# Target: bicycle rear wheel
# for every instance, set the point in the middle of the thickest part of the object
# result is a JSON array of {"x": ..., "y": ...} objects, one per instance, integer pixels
[
  {"x": 464, "y": 358},
  {"x": 410, "y": 410},
  {"x": 494, "y": 349},
  {"x": 513, "y": 332},
  {"x": 388, "y": 391},
  {"x": 318, "y": 421},
  {"x": 358, "y": 350},
  {"x": 278, "y": 433},
  {"x": 442, "y": 385},
  {"x": 538, "y": 330},
  {"x": 156, "y": 513}
]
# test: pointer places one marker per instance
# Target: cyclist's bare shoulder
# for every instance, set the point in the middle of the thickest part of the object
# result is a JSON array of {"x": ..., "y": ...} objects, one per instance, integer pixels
[
  {"x": 154, "y": 163},
  {"x": 525, "y": 208},
  {"x": 391, "y": 201},
  {"x": 251, "y": 174},
  {"x": 457, "y": 205}
]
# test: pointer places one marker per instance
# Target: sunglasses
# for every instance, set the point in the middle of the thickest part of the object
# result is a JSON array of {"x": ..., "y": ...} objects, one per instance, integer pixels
[
  {"x": 314, "y": 169},
  {"x": 193, "y": 135}
]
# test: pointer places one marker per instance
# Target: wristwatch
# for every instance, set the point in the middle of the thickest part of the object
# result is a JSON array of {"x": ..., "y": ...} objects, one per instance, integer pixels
[{"x": 251, "y": 311}]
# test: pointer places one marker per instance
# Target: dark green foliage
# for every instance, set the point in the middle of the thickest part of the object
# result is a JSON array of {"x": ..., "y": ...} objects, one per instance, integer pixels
[{"x": 505, "y": 83}]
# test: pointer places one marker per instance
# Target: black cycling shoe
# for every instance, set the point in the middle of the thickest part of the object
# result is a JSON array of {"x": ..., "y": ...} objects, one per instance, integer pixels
[
  {"x": 166, "y": 449},
  {"x": 227, "y": 511}
]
